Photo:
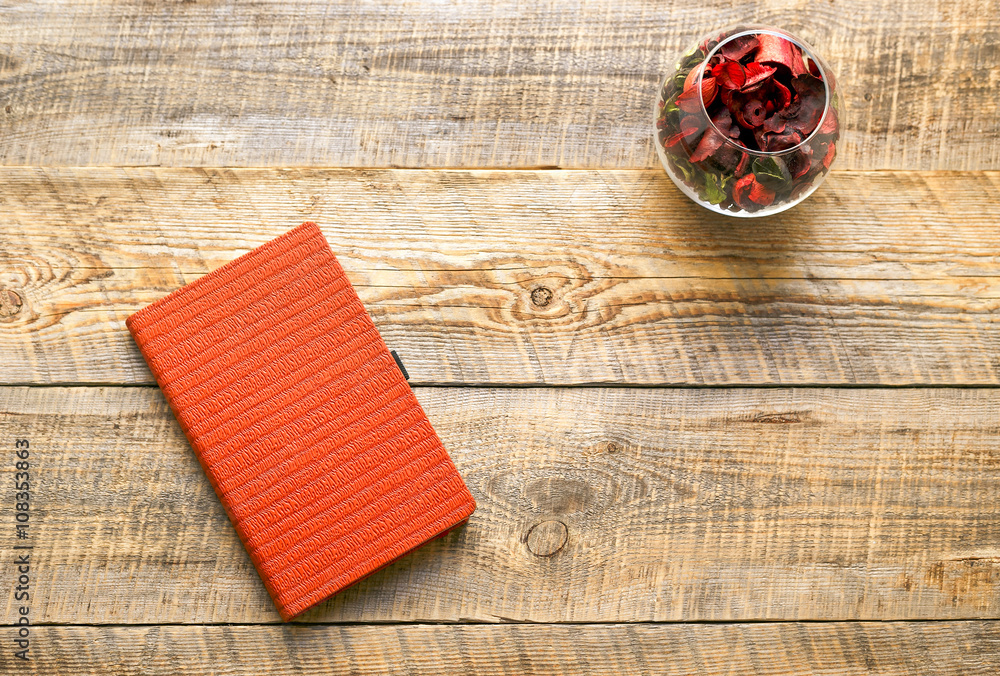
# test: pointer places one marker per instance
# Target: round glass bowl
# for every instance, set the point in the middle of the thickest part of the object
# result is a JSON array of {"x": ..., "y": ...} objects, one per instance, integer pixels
[{"x": 748, "y": 123}]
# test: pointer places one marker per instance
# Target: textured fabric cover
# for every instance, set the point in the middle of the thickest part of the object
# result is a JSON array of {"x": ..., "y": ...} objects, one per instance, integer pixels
[{"x": 307, "y": 430}]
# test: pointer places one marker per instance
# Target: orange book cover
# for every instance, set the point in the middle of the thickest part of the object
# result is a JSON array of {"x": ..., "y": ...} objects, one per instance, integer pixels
[{"x": 310, "y": 435}]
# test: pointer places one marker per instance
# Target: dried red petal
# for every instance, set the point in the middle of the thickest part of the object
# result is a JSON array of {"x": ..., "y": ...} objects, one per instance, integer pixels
[
  {"x": 778, "y": 50},
  {"x": 708, "y": 88},
  {"x": 812, "y": 102},
  {"x": 688, "y": 100},
  {"x": 800, "y": 162},
  {"x": 749, "y": 194},
  {"x": 739, "y": 47},
  {"x": 726, "y": 159},
  {"x": 774, "y": 124},
  {"x": 830, "y": 122},
  {"x": 734, "y": 102},
  {"x": 742, "y": 189},
  {"x": 729, "y": 75},
  {"x": 709, "y": 143},
  {"x": 723, "y": 121},
  {"x": 691, "y": 125},
  {"x": 789, "y": 138},
  {"x": 831, "y": 153},
  {"x": 713, "y": 139},
  {"x": 760, "y": 194},
  {"x": 691, "y": 77},
  {"x": 756, "y": 74},
  {"x": 727, "y": 98},
  {"x": 782, "y": 97},
  {"x": 743, "y": 165},
  {"x": 673, "y": 140}
]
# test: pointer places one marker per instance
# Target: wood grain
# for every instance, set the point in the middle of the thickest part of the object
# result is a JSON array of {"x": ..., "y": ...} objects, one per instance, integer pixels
[
  {"x": 595, "y": 505},
  {"x": 511, "y": 277},
  {"x": 498, "y": 84},
  {"x": 845, "y": 649}
]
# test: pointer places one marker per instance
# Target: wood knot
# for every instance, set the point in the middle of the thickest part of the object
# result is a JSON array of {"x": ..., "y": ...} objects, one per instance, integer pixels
[
  {"x": 547, "y": 538},
  {"x": 612, "y": 447},
  {"x": 10, "y": 303},
  {"x": 541, "y": 296}
]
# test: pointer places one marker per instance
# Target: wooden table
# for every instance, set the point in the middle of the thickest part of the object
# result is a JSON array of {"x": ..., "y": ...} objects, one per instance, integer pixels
[{"x": 698, "y": 445}]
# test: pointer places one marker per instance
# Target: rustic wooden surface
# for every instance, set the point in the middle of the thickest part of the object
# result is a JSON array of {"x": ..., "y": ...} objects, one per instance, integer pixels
[
  {"x": 595, "y": 504},
  {"x": 845, "y": 649},
  {"x": 698, "y": 445},
  {"x": 460, "y": 84},
  {"x": 535, "y": 277}
]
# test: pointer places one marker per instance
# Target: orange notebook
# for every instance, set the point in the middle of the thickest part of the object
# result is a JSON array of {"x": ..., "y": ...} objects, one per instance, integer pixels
[{"x": 311, "y": 437}]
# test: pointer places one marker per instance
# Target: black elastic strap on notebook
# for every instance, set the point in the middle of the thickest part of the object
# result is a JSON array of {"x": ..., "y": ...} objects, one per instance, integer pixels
[{"x": 399, "y": 363}]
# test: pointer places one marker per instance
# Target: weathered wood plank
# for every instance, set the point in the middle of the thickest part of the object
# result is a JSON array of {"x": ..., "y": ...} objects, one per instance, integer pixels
[
  {"x": 594, "y": 505},
  {"x": 845, "y": 649},
  {"x": 498, "y": 84},
  {"x": 556, "y": 277}
]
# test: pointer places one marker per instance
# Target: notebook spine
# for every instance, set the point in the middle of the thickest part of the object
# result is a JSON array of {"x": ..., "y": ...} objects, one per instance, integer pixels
[{"x": 134, "y": 324}]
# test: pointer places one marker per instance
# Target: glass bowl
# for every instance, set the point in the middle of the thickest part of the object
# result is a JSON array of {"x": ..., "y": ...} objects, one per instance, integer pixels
[{"x": 762, "y": 134}]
